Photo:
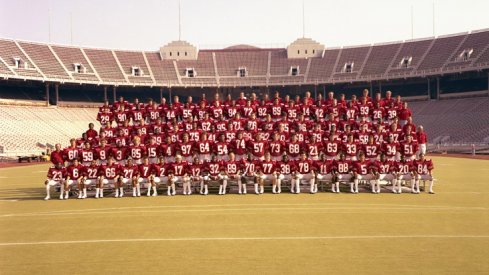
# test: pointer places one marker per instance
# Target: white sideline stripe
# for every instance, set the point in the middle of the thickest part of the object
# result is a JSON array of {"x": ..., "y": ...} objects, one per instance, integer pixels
[
  {"x": 290, "y": 238},
  {"x": 339, "y": 210}
]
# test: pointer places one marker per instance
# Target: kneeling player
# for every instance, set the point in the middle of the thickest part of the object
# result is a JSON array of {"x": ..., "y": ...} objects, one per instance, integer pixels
[
  {"x": 146, "y": 176},
  {"x": 267, "y": 171},
  {"x": 324, "y": 170},
  {"x": 423, "y": 168},
  {"x": 109, "y": 174},
  {"x": 56, "y": 176},
  {"x": 74, "y": 174},
  {"x": 130, "y": 175}
]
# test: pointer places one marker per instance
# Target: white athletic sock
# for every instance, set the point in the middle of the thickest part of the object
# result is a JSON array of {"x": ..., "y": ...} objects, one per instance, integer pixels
[
  {"x": 169, "y": 191},
  {"x": 337, "y": 187},
  {"x": 84, "y": 192},
  {"x": 356, "y": 186},
  {"x": 134, "y": 191},
  {"x": 256, "y": 188},
  {"x": 220, "y": 189},
  {"x": 47, "y": 190},
  {"x": 101, "y": 195},
  {"x": 298, "y": 186},
  {"x": 372, "y": 185},
  {"x": 206, "y": 189},
  {"x": 351, "y": 187},
  {"x": 149, "y": 191},
  {"x": 262, "y": 189},
  {"x": 174, "y": 191},
  {"x": 315, "y": 188},
  {"x": 224, "y": 185},
  {"x": 431, "y": 186},
  {"x": 279, "y": 186},
  {"x": 244, "y": 188},
  {"x": 138, "y": 189},
  {"x": 378, "y": 185},
  {"x": 116, "y": 192},
  {"x": 312, "y": 187},
  {"x": 154, "y": 191},
  {"x": 97, "y": 191},
  {"x": 417, "y": 186},
  {"x": 121, "y": 191},
  {"x": 201, "y": 187}
]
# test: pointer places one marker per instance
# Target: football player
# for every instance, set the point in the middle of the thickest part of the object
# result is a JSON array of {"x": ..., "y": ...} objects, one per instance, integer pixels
[{"x": 56, "y": 176}]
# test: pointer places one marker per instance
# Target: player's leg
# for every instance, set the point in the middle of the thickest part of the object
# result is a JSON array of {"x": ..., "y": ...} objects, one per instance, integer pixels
[
  {"x": 97, "y": 186},
  {"x": 257, "y": 182},
  {"x": 298, "y": 184},
  {"x": 117, "y": 183},
  {"x": 223, "y": 183},
  {"x": 353, "y": 184},
  {"x": 48, "y": 184}
]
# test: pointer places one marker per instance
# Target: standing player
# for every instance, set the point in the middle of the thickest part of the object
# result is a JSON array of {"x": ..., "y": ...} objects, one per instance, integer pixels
[
  {"x": 56, "y": 176},
  {"x": 86, "y": 154},
  {"x": 423, "y": 171},
  {"x": 409, "y": 148},
  {"x": 137, "y": 151},
  {"x": 70, "y": 153}
]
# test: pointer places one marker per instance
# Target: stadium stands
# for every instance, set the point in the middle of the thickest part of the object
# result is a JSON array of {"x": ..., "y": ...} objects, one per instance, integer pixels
[{"x": 220, "y": 67}]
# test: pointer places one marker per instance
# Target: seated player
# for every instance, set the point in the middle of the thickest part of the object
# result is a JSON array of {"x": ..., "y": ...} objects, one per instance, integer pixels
[
  {"x": 108, "y": 174},
  {"x": 214, "y": 169},
  {"x": 196, "y": 171},
  {"x": 91, "y": 174},
  {"x": 179, "y": 172},
  {"x": 267, "y": 170},
  {"x": 423, "y": 168},
  {"x": 74, "y": 174},
  {"x": 56, "y": 176},
  {"x": 130, "y": 175},
  {"x": 161, "y": 172},
  {"x": 287, "y": 170},
  {"x": 305, "y": 172},
  {"x": 146, "y": 176},
  {"x": 249, "y": 173},
  {"x": 387, "y": 171},
  {"x": 343, "y": 171},
  {"x": 405, "y": 169},
  {"x": 324, "y": 171},
  {"x": 232, "y": 171},
  {"x": 362, "y": 171}
]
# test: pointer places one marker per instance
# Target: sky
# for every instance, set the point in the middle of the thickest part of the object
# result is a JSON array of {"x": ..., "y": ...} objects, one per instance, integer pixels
[{"x": 150, "y": 24}]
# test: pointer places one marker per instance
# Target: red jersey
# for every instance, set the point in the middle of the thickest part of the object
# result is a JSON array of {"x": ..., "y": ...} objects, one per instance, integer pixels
[
  {"x": 304, "y": 166},
  {"x": 109, "y": 171},
  {"x": 422, "y": 138},
  {"x": 423, "y": 167},
  {"x": 102, "y": 153},
  {"x": 86, "y": 155},
  {"x": 277, "y": 148},
  {"x": 119, "y": 153},
  {"x": 249, "y": 168},
  {"x": 371, "y": 150},
  {"x": 231, "y": 167},
  {"x": 351, "y": 149},
  {"x": 128, "y": 172},
  {"x": 387, "y": 167},
  {"x": 145, "y": 170},
  {"x": 343, "y": 166},
  {"x": 267, "y": 167},
  {"x": 293, "y": 149},
  {"x": 258, "y": 148},
  {"x": 313, "y": 149},
  {"x": 390, "y": 149},
  {"x": 405, "y": 167},
  {"x": 331, "y": 148},
  {"x": 91, "y": 172},
  {"x": 179, "y": 169},
  {"x": 286, "y": 168},
  {"x": 137, "y": 152},
  {"x": 56, "y": 174},
  {"x": 186, "y": 148},
  {"x": 196, "y": 169},
  {"x": 161, "y": 170},
  {"x": 70, "y": 153},
  {"x": 104, "y": 118},
  {"x": 168, "y": 150},
  {"x": 75, "y": 172},
  {"x": 221, "y": 148},
  {"x": 214, "y": 167},
  {"x": 152, "y": 150},
  {"x": 239, "y": 146},
  {"x": 324, "y": 167},
  {"x": 409, "y": 149}
]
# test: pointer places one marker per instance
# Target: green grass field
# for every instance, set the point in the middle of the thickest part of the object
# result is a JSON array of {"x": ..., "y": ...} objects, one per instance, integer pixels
[{"x": 446, "y": 233}]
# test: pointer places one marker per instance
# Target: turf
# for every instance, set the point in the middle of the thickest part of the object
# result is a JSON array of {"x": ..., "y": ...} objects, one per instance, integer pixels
[{"x": 311, "y": 234}]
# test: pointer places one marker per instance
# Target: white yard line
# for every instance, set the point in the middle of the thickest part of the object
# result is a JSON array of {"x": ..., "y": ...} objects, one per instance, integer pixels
[{"x": 285, "y": 238}]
